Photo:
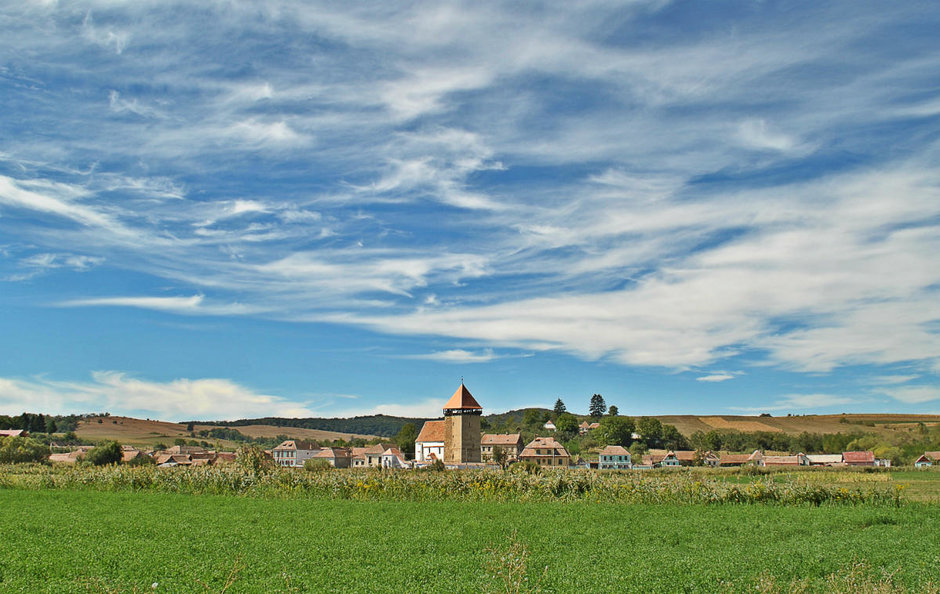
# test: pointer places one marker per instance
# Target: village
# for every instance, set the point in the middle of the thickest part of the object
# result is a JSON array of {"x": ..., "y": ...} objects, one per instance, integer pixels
[{"x": 457, "y": 442}]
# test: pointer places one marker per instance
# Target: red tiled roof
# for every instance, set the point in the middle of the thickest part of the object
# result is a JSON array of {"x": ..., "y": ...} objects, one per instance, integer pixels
[
  {"x": 858, "y": 457},
  {"x": 615, "y": 450},
  {"x": 500, "y": 439},
  {"x": 432, "y": 431},
  {"x": 462, "y": 399},
  {"x": 544, "y": 443}
]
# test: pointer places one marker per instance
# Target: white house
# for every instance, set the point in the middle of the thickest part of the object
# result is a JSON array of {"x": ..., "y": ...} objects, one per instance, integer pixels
[
  {"x": 429, "y": 445},
  {"x": 393, "y": 458}
]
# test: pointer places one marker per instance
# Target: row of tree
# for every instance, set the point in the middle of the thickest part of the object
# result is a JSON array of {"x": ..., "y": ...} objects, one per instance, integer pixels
[{"x": 596, "y": 408}]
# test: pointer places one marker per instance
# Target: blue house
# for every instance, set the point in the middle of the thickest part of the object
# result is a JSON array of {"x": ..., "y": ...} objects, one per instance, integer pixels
[{"x": 614, "y": 457}]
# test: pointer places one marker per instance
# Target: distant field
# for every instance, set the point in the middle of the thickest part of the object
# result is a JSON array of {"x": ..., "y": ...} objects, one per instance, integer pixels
[
  {"x": 297, "y": 432},
  {"x": 159, "y": 542},
  {"x": 884, "y": 424},
  {"x": 145, "y": 432}
]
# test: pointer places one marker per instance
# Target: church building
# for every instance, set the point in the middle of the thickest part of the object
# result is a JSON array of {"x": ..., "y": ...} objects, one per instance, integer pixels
[{"x": 457, "y": 437}]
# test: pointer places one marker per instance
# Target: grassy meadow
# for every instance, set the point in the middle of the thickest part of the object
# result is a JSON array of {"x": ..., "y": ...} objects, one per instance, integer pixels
[
  {"x": 118, "y": 529},
  {"x": 93, "y": 541}
]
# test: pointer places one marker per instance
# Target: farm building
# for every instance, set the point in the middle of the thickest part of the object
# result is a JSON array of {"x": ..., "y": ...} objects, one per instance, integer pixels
[
  {"x": 511, "y": 443},
  {"x": 336, "y": 457},
  {"x": 927, "y": 460},
  {"x": 859, "y": 458},
  {"x": 614, "y": 457},
  {"x": 794, "y": 460},
  {"x": 740, "y": 459},
  {"x": 546, "y": 451},
  {"x": 824, "y": 459},
  {"x": 293, "y": 453}
]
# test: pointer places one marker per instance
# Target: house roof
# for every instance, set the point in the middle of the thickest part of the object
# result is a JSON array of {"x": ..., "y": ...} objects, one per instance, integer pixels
[
  {"x": 128, "y": 454},
  {"x": 297, "y": 444},
  {"x": 462, "y": 400},
  {"x": 685, "y": 455},
  {"x": 500, "y": 439},
  {"x": 615, "y": 450},
  {"x": 431, "y": 431},
  {"x": 594, "y": 426},
  {"x": 735, "y": 458},
  {"x": 932, "y": 455},
  {"x": 783, "y": 460},
  {"x": 824, "y": 458},
  {"x": 544, "y": 443},
  {"x": 858, "y": 457},
  {"x": 334, "y": 453},
  {"x": 584, "y": 425},
  {"x": 12, "y": 432}
]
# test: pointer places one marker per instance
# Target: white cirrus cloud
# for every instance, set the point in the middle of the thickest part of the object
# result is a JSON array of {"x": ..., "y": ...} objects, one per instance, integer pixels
[
  {"x": 458, "y": 356},
  {"x": 800, "y": 402},
  {"x": 716, "y": 377},
  {"x": 913, "y": 394}
]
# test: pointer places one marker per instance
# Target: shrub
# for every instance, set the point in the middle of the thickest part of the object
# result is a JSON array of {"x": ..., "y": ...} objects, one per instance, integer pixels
[
  {"x": 22, "y": 449},
  {"x": 108, "y": 452},
  {"x": 317, "y": 465}
]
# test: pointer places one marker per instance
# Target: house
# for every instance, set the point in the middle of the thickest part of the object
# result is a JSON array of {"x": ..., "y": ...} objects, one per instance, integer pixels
[
  {"x": 594, "y": 426},
  {"x": 70, "y": 457},
  {"x": 550, "y": 426},
  {"x": 511, "y": 443},
  {"x": 794, "y": 460},
  {"x": 824, "y": 459},
  {"x": 859, "y": 458},
  {"x": 336, "y": 457},
  {"x": 393, "y": 458},
  {"x": 129, "y": 453},
  {"x": 614, "y": 457},
  {"x": 583, "y": 428},
  {"x": 429, "y": 445},
  {"x": 927, "y": 460},
  {"x": 172, "y": 460},
  {"x": 661, "y": 458},
  {"x": 224, "y": 457},
  {"x": 740, "y": 459},
  {"x": 13, "y": 433},
  {"x": 545, "y": 451},
  {"x": 293, "y": 453},
  {"x": 693, "y": 458},
  {"x": 358, "y": 459}
]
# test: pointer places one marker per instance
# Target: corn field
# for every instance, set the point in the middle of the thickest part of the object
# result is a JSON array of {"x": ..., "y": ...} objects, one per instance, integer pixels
[{"x": 468, "y": 485}]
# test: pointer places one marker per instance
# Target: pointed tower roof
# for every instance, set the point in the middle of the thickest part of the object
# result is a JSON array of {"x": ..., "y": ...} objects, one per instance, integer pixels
[{"x": 462, "y": 400}]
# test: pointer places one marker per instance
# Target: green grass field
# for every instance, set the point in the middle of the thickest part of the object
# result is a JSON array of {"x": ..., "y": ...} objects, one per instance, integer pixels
[{"x": 89, "y": 541}]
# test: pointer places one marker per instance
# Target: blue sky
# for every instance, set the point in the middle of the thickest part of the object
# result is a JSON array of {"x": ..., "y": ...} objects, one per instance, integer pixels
[{"x": 221, "y": 210}]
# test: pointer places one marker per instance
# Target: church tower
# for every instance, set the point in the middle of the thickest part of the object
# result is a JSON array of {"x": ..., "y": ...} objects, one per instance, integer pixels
[{"x": 462, "y": 428}]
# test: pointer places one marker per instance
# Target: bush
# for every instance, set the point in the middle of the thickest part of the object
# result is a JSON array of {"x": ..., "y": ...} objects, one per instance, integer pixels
[
  {"x": 317, "y": 465},
  {"x": 108, "y": 452},
  {"x": 22, "y": 449}
]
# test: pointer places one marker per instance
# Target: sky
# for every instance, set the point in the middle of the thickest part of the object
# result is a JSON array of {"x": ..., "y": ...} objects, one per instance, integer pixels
[{"x": 221, "y": 210}]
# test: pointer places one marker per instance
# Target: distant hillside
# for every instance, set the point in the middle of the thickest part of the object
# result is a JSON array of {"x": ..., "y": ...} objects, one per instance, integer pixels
[
  {"x": 143, "y": 432},
  {"x": 380, "y": 425}
]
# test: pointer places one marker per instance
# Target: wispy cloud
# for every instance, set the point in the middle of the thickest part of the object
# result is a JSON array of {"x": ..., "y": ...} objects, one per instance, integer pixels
[
  {"x": 913, "y": 394},
  {"x": 722, "y": 376},
  {"x": 800, "y": 402},
  {"x": 458, "y": 356},
  {"x": 176, "y": 400},
  {"x": 581, "y": 179}
]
